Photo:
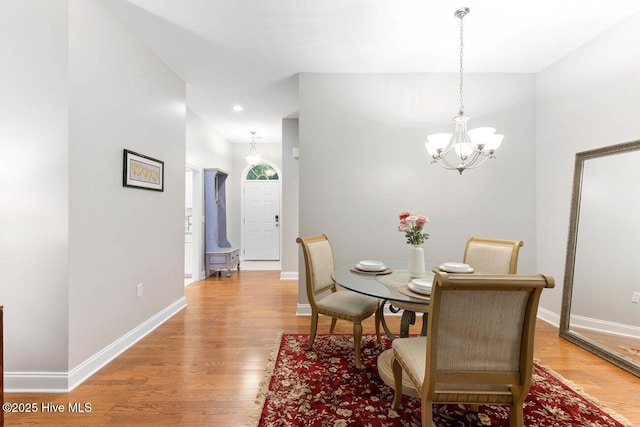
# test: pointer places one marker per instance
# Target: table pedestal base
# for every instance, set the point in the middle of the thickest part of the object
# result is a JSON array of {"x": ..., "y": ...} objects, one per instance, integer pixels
[{"x": 385, "y": 372}]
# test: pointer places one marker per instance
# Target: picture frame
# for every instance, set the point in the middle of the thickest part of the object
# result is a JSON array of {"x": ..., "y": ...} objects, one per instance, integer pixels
[{"x": 140, "y": 171}]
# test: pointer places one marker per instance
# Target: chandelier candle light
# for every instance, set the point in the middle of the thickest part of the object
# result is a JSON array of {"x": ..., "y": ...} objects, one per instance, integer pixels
[
  {"x": 412, "y": 226},
  {"x": 463, "y": 150}
]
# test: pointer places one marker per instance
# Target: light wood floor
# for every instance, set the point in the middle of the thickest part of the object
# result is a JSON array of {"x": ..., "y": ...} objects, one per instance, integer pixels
[
  {"x": 613, "y": 343},
  {"x": 203, "y": 366}
]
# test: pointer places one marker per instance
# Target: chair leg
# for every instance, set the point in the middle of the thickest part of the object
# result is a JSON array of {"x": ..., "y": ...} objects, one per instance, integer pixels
[
  {"x": 333, "y": 324},
  {"x": 396, "y": 368},
  {"x": 378, "y": 321},
  {"x": 357, "y": 338},
  {"x": 427, "y": 413},
  {"x": 314, "y": 329},
  {"x": 516, "y": 416}
]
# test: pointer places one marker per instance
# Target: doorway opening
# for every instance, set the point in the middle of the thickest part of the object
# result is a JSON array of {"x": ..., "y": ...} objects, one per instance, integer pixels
[{"x": 193, "y": 231}]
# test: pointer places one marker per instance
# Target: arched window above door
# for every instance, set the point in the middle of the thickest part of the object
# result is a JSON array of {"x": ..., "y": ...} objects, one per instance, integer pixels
[{"x": 262, "y": 172}]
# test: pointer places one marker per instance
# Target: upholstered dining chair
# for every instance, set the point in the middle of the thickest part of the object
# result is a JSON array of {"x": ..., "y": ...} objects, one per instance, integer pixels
[
  {"x": 326, "y": 299},
  {"x": 493, "y": 256},
  {"x": 479, "y": 343},
  {"x": 485, "y": 255}
]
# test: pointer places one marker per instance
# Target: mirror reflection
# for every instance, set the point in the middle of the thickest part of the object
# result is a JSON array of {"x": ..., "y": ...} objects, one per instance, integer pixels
[{"x": 602, "y": 275}]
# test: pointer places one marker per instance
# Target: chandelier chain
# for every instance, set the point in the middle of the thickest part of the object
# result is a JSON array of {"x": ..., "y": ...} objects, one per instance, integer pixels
[
  {"x": 461, "y": 150},
  {"x": 461, "y": 74}
]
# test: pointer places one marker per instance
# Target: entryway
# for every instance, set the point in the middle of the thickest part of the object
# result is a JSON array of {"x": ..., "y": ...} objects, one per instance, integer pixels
[{"x": 261, "y": 213}]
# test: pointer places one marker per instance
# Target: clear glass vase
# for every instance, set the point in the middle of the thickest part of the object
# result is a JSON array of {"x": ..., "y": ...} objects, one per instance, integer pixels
[{"x": 416, "y": 261}]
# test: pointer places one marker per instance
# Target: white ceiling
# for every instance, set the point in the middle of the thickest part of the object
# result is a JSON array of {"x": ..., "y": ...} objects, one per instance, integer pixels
[{"x": 248, "y": 52}]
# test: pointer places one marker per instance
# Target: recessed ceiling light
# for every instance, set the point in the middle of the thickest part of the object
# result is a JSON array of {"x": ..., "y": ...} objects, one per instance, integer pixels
[{"x": 238, "y": 108}]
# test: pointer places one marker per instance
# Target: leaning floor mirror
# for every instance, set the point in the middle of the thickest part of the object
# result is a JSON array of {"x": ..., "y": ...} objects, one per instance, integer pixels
[{"x": 601, "y": 296}]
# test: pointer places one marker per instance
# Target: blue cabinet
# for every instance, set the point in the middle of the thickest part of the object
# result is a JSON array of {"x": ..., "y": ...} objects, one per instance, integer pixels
[{"x": 219, "y": 255}]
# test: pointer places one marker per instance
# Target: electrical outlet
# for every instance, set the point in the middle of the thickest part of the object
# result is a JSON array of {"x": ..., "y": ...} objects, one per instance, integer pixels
[
  {"x": 139, "y": 290},
  {"x": 635, "y": 297}
]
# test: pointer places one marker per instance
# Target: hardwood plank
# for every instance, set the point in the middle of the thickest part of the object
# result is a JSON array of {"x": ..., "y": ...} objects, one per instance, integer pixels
[{"x": 204, "y": 365}]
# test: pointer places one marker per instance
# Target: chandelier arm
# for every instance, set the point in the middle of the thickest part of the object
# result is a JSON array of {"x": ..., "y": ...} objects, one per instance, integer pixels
[
  {"x": 442, "y": 160},
  {"x": 472, "y": 159},
  {"x": 443, "y": 163},
  {"x": 474, "y": 165},
  {"x": 469, "y": 163}
]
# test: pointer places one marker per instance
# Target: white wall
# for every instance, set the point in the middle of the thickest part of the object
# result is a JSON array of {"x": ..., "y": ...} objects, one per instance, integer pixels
[
  {"x": 363, "y": 161},
  {"x": 587, "y": 100},
  {"x": 290, "y": 196},
  {"x": 34, "y": 264},
  {"x": 121, "y": 96},
  {"x": 206, "y": 148},
  {"x": 77, "y": 89}
]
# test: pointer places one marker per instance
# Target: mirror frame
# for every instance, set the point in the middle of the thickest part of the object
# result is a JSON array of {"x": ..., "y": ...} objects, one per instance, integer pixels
[{"x": 567, "y": 290}]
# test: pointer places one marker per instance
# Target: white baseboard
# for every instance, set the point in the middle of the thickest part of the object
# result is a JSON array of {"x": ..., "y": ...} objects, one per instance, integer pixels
[
  {"x": 591, "y": 324},
  {"x": 605, "y": 326},
  {"x": 64, "y": 382},
  {"x": 303, "y": 310},
  {"x": 288, "y": 275},
  {"x": 549, "y": 316},
  {"x": 36, "y": 382}
]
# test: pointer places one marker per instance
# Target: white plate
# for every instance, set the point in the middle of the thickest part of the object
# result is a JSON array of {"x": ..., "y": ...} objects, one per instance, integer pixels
[
  {"x": 458, "y": 265},
  {"x": 422, "y": 284},
  {"x": 450, "y": 269},
  {"x": 417, "y": 290},
  {"x": 365, "y": 267},
  {"x": 372, "y": 263}
]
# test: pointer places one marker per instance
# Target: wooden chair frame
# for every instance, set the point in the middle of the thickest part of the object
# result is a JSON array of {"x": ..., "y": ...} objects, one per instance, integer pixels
[
  {"x": 314, "y": 291},
  {"x": 509, "y": 387},
  {"x": 515, "y": 246}
]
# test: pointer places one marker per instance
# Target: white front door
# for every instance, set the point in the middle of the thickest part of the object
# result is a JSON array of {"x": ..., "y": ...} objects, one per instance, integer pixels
[{"x": 262, "y": 220}]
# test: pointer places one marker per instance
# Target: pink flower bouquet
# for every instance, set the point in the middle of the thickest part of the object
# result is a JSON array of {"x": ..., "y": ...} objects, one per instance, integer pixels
[{"x": 412, "y": 226}]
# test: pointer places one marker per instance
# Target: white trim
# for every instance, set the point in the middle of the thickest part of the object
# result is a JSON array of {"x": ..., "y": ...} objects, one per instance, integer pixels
[
  {"x": 591, "y": 324},
  {"x": 36, "y": 382},
  {"x": 303, "y": 310},
  {"x": 605, "y": 326},
  {"x": 288, "y": 275},
  {"x": 64, "y": 382},
  {"x": 549, "y": 316}
]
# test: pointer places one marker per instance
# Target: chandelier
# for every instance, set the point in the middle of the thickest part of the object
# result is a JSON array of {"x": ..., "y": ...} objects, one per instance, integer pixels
[
  {"x": 463, "y": 150},
  {"x": 253, "y": 158}
]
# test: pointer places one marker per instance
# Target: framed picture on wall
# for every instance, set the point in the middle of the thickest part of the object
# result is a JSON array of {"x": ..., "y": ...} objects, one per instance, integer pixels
[{"x": 140, "y": 171}]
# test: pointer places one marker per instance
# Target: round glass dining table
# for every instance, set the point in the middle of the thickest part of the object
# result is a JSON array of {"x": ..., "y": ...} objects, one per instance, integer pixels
[{"x": 391, "y": 288}]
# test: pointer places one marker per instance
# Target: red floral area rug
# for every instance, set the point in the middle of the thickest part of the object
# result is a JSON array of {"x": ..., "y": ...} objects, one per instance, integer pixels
[{"x": 322, "y": 387}]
